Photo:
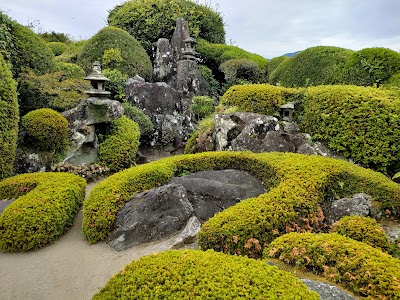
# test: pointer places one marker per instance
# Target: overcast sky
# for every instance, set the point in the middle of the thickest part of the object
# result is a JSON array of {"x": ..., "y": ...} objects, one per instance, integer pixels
[{"x": 266, "y": 27}]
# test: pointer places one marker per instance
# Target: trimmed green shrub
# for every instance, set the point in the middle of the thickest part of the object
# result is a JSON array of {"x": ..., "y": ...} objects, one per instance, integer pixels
[
  {"x": 117, "y": 83},
  {"x": 313, "y": 66},
  {"x": 241, "y": 69},
  {"x": 23, "y": 48},
  {"x": 46, "y": 129},
  {"x": 8, "y": 119},
  {"x": 134, "y": 59},
  {"x": 213, "y": 84},
  {"x": 56, "y": 37},
  {"x": 202, "y": 106},
  {"x": 118, "y": 150},
  {"x": 362, "y": 229},
  {"x": 135, "y": 114},
  {"x": 57, "y": 48},
  {"x": 297, "y": 184},
  {"x": 259, "y": 98},
  {"x": 191, "y": 274},
  {"x": 69, "y": 70},
  {"x": 45, "y": 207},
  {"x": 371, "y": 66},
  {"x": 364, "y": 270},
  {"x": 72, "y": 53},
  {"x": 393, "y": 84},
  {"x": 149, "y": 20},
  {"x": 360, "y": 122},
  {"x": 275, "y": 63}
]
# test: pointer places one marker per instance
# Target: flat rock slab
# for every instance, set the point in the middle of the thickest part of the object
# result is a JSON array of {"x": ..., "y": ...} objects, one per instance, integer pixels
[
  {"x": 327, "y": 291},
  {"x": 210, "y": 192}
]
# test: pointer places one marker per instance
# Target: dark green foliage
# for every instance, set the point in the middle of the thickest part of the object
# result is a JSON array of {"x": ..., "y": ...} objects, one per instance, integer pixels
[
  {"x": 241, "y": 69},
  {"x": 149, "y": 20},
  {"x": 118, "y": 150},
  {"x": 193, "y": 274},
  {"x": 117, "y": 83},
  {"x": 23, "y": 48},
  {"x": 8, "y": 119},
  {"x": 274, "y": 63},
  {"x": 313, "y": 66},
  {"x": 57, "y": 48},
  {"x": 297, "y": 186},
  {"x": 202, "y": 106},
  {"x": 45, "y": 207},
  {"x": 116, "y": 49},
  {"x": 362, "y": 229},
  {"x": 371, "y": 66},
  {"x": 213, "y": 84},
  {"x": 72, "y": 53},
  {"x": 364, "y": 270},
  {"x": 46, "y": 129},
  {"x": 135, "y": 114},
  {"x": 55, "y": 37},
  {"x": 360, "y": 122}
]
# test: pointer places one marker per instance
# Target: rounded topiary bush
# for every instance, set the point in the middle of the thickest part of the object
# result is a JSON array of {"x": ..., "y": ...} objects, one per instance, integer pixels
[
  {"x": 371, "y": 66},
  {"x": 135, "y": 114},
  {"x": 69, "y": 70},
  {"x": 118, "y": 150},
  {"x": 149, "y": 20},
  {"x": 360, "y": 122},
  {"x": 193, "y": 274},
  {"x": 274, "y": 63},
  {"x": 241, "y": 69},
  {"x": 362, "y": 229},
  {"x": 362, "y": 269},
  {"x": 46, "y": 129},
  {"x": 57, "y": 48},
  {"x": 313, "y": 66},
  {"x": 45, "y": 207},
  {"x": 8, "y": 119},
  {"x": 116, "y": 49}
]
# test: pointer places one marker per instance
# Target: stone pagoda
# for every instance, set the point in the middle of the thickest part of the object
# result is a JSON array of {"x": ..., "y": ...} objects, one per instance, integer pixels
[{"x": 97, "y": 81}]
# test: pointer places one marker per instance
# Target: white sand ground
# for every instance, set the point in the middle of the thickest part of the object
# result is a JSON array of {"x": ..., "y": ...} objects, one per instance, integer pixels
[{"x": 69, "y": 269}]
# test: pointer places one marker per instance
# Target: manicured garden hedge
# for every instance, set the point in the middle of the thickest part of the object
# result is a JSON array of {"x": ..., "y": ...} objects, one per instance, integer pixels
[
  {"x": 362, "y": 229},
  {"x": 119, "y": 148},
  {"x": 242, "y": 69},
  {"x": 274, "y": 63},
  {"x": 45, "y": 206},
  {"x": 298, "y": 184},
  {"x": 193, "y": 274},
  {"x": 362, "y": 269}
]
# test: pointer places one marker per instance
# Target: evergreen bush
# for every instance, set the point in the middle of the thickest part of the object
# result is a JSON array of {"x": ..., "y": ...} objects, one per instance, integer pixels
[
  {"x": 202, "y": 106},
  {"x": 135, "y": 114},
  {"x": 117, "y": 83},
  {"x": 72, "y": 53},
  {"x": 45, "y": 207},
  {"x": 274, "y": 63},
  {"x": 57, "y": 48},
  {"x": 241, "y": 69}
]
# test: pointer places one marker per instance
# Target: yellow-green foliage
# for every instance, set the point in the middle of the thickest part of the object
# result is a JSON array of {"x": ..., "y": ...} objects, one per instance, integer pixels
[
  {"x": 57, "y": 47},
  {"x": 364, "y": 270},
  {"x": 274, "y": 63},
  {"x": 46, "y": 129},
  {"x": 72, "y": 53},
  {"x": 119, "y": 148},
  {"x": 8, "y": 119},
  {"x": 193, "y": 274},
  {"x": 360, "y": 122},
  {"x": 362, "y": 229},
  {"x": 298, "y": 184},
  {"x": 45, "y": 206},
  {"x": 259, "y": 98}
]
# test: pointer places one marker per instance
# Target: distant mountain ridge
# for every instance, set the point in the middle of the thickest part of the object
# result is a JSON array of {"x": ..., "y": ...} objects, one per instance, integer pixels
[{"x": 291, "y": 54}]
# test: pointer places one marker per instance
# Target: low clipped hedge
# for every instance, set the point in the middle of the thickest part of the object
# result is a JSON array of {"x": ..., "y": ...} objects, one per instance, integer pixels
[
  {"x": 193, "y": 274},
  {"x": 298, "y": 185},
  {"x": 259, "y": 98},
  {"x": 362, "y": 269},
  {"x": 360, "y": 122},
  {"x": 362, "y": 229},
  {"x": 45, "y": 206},
  {"x": 118, "y": 150}
]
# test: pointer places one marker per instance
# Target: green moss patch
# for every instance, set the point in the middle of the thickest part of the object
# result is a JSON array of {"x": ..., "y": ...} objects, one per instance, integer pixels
[
  {"x": 364, "y": 270},
  {"x": 202, "y": 275},
  {"x": 45, "y": 206}
]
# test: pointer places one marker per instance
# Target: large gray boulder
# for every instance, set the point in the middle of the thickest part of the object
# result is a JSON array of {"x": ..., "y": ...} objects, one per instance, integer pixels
[
  {"x": 327, "y": 291},
  {"x": 187, "y": 237},
  {"x": 210, "y": 192},
  {"x": 150, "y": 216}
]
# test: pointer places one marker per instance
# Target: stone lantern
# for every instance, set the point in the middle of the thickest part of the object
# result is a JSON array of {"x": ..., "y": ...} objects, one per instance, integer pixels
[
  {"x": 189, "y": 52},
  {"x": 97, "y": 81},
  {"x": 286, "y": 111}
]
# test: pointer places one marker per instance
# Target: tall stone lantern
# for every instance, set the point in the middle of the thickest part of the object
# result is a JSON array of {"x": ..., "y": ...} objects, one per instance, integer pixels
[
  {"x": 97, "y": 81},
  {"x": 189, "y": 52}
]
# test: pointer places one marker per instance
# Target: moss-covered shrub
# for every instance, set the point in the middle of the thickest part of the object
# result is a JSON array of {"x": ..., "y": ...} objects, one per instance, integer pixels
[
  {"x": 274, "y": 63},
  {"x": 8, "y": 119},
  {"x": 259, "y": 98},
  {"x": 193, "y": 274},
  {"x": 202, "y": 106},
  {"x": 360, "y": 122},
  {"x": 23, "y": 48},
  {"x": 118, "y": 150},
  {"x": 134, "y": 59},
  {"x": 371, "y": 66},
  {"x": 364, "y": 270},
  {"x": 297, "y": 184},
  {"x": 149, "y": 20},
  {"x": 242, "y": 69},
  {"x": 46, "y": 129},
  {"x": 57, "y": 48},
  {"x": 135, "y": 114},
  {"x": 45, "y": 206},
  {"x": 362, "y": 229},
  {"x": 117, "y": 83},
  {"x": 313, "y": 66}
]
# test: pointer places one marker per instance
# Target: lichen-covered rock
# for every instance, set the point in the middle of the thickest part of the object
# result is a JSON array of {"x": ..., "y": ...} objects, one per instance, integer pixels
[
  {"x": 327, "y": 291},
  {"x": 357, "y": 205},
  {"x": 163, "y": 63},
  {"x": 187, "y": 237}
]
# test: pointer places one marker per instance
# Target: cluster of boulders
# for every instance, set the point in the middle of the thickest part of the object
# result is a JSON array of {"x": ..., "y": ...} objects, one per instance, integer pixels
[{"x": 88, "y": 172}]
